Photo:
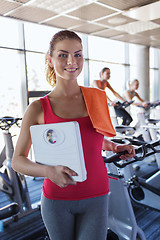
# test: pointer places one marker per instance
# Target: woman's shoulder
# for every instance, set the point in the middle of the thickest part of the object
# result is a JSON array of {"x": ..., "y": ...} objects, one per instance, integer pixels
[
  {"x": 34, "y": 112},
  {"x": 35, "y": 105},
  {"x": 96, "y": 80},
  {"x": 126, "y": 92},
  {"x": 94, "y": 83}
]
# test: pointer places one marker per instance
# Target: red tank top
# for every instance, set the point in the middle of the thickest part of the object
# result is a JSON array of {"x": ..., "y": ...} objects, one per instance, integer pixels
[
  {"x": 97, "y": 177},
  {"x": 100, "y": 84}
]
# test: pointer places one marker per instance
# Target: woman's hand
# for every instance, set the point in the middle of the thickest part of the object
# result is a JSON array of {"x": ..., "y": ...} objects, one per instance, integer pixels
[
  {"x": 124, "y": 147},
  {"x": 113, "y": 104},
  {"x": 60, "y": 175},
  {"x": 145, "y": 104}
]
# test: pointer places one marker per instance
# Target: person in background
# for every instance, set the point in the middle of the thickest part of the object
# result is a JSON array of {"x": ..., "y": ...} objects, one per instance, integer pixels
[
  {"x": 131, "y": 93},
  {"x": 70, "y": 210},
  {"x": 138, "y": 106},
  {"x": 103, "y": 84}
]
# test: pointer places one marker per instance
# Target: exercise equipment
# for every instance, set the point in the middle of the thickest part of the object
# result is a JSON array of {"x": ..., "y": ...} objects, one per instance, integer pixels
[
  {"x": 143, "y": 190},
  {"x": 13, "y": 184},
  {"x": 115, "y": 119},
  {"x": 121, "y": 218}
]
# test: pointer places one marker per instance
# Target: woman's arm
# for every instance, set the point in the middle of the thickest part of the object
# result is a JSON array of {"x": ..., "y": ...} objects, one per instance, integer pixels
[
  {"x": 139, "y": 98},
  {"x": 20, "y": 161},
  {"x": 110, "y": 102},
  {"x": 114, "y": 92},
  {"x": 114, "y": 147},
  {"x": 141, "y": 101},
  {"x": 60, "y": 175}
]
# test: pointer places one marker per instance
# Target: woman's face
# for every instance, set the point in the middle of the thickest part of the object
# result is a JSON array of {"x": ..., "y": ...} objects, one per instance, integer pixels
[
  {"x": 67, "y": 59},
  {"x": 135, "y": 85},
  {"x": 106, "y": 74}
]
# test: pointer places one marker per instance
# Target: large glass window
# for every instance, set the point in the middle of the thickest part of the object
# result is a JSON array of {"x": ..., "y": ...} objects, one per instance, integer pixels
[
  {"x": 10, "y": 90},
  {"x": 36, "y": 72},
  {"x": 154, "y": 57},
  {"x": 154, "y": 74},
  {"x": 10, "y": 33},
  {"x": 139, "y": 68},
  {"x": 154, "y": 85},
  {"x": 104, "y": 49},
  {"x": 37, "y": 37}
]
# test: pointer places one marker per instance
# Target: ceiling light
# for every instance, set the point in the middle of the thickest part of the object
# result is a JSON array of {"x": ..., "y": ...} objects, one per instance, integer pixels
[
  {"x": 138, "y": 26},
  {"x": 145, "y": 13},
  {"x": 60, "y": 5},
  {"x": 116, "y": 20}
]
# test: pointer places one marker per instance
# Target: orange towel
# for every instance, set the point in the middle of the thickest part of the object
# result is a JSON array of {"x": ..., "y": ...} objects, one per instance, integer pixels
[{"x": 97, "y": 107}]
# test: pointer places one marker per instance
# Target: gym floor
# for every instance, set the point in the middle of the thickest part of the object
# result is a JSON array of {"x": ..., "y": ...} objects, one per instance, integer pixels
[{"x": 32, "y": 227}]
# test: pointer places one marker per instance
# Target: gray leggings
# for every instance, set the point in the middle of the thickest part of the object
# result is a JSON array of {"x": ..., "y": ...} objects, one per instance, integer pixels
[{"x": 76, "y": 220}]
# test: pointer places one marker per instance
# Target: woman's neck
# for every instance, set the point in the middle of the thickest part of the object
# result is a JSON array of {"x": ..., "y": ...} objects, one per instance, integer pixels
[
  {"x": 103, "y": 80},
  {"x": 131, "y": 90},
  {"x": 67, "y": 89}
]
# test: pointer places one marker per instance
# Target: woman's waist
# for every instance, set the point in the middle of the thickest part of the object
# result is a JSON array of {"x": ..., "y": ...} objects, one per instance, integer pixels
[{"x": 89, "y": 188}]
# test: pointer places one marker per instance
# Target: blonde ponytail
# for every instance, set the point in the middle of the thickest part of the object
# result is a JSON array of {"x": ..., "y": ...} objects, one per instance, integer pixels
[{"x": 50, "y": 73}]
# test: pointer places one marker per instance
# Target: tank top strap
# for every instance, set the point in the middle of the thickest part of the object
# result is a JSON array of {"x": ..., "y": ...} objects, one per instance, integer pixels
[
  {"x": 47, "y": 110},
  {"x": 99, "y": 83},
  {"x": 134, "y": 93}
]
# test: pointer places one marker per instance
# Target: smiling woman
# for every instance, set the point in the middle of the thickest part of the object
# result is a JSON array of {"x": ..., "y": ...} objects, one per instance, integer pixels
[
  {"x": 67, "y": 63},
  {"x": 70, "y": 209},
  {"x": 71, "y": 60}
]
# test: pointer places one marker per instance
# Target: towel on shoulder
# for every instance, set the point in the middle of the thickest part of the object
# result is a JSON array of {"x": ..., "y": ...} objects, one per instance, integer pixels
[{"x": 97, "y": 107}]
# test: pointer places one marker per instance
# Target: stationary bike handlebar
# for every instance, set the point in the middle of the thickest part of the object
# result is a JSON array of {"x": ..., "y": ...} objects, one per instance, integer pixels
[
  {"x": 142, "y": 150},
  {"x": 124, "y": 104},
  {"x": 9, "y": 210},
  {"x": 150, "y": 105},
  {"x": 7, "y": 122}
]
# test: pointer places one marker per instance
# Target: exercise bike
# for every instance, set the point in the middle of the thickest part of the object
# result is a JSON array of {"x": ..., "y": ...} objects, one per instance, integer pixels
[
  {"x": 149, "y": 130},
  {"x": 121, "y": 218},
  {"x": 143, "y": 190},
  {"x": 13, "y": 184},
  {"x": 143, "y": 116},
  {"x": 10, "y": 210},
  {"x": 153, "y": 127},
  {"x": 116, "y": 120}
]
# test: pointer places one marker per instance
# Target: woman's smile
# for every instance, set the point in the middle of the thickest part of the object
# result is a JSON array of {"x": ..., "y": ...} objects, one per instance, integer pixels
[{"x": 71, "y": 70}]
